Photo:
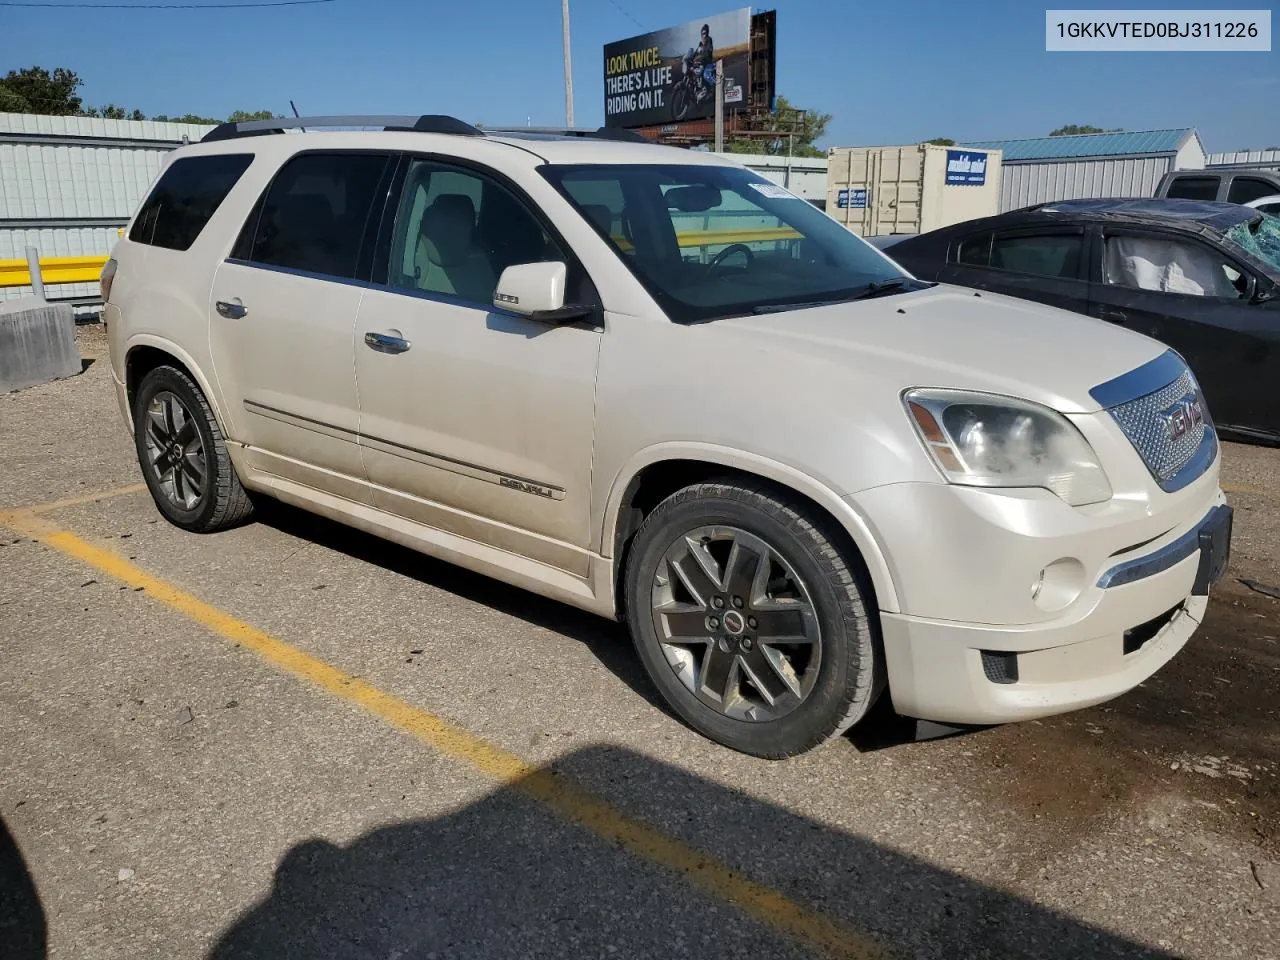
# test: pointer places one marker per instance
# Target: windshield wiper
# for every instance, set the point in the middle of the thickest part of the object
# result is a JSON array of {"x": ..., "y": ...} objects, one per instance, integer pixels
[
  {"x": 882, "y": 287},
  {"x": 803, "y": 305}
]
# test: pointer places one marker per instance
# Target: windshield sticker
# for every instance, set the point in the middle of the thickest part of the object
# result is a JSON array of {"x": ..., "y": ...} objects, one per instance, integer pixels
[{"x": 773, "y": 191}]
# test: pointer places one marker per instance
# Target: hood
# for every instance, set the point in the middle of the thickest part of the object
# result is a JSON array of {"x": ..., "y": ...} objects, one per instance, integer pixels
[{"x": 951, "y": 337}]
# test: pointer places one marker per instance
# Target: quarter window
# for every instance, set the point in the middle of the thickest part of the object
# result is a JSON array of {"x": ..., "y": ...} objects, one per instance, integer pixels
[
  {"x": 1165, "y": 265},
  {"x": 315, "y": 213},
  {"x": 457, "y": 230},
  {"x": 1194, "y": 188},
  {"x": 975, "y": 251},
  {"x": 184, "y": 199},
  {"x": 1042, "y": 256}
]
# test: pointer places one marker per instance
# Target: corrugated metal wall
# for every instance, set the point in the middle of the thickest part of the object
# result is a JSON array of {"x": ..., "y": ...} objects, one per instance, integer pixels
[
  {"x": 1261, "y": 158},
  {"x": 1028, "y": 183},
  {"x": 68, "y": 183}
]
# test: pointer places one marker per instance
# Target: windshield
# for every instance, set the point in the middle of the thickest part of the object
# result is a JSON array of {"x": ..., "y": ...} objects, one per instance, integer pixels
[
  {"x": 711, "y": 242},
  {"x": 1259, "y": 237}
]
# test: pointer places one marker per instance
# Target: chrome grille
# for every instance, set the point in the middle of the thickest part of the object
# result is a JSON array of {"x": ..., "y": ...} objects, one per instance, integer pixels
[{"x": 1145, "y": 421}]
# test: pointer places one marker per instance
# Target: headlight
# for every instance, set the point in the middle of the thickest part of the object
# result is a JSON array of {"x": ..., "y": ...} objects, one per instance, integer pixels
[{"x": 986, "y": 440}]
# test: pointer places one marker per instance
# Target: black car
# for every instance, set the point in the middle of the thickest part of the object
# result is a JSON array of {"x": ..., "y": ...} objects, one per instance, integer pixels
[{"x": 1201, "y": 276}]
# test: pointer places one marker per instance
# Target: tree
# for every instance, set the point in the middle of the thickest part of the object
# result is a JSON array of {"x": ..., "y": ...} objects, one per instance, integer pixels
[
  {"x": 794, "y": 129},
  {"x": 238, "y": 115},
  {"x": 1075, "y": 130},
  {"x": 942, "y": 142},
  {"x": 36, "y": 90}
]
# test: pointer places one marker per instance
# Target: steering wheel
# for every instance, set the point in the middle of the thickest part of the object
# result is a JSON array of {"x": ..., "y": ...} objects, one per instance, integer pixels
[{"x": 729, "y": 251}]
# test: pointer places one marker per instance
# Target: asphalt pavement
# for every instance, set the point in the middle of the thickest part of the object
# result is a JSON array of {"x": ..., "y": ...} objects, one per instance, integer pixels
[{"x": 295, "y": 740}]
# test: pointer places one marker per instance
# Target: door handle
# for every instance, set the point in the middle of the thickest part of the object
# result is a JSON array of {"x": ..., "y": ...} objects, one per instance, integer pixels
[
  {"x": 386, "y": 343},
  {"x": 1114, "y": 316},
  {"x": 231, "y": 309}
]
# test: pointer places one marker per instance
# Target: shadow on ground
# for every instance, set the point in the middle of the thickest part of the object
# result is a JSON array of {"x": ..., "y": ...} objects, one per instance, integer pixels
[
  {"x": 22, "y": 925},
  {"x": 505, "y": 878}
]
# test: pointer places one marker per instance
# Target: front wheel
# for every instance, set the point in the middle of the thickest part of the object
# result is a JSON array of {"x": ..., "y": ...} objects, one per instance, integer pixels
[
  {"x": 751, "y": 620},
  {"x": 680, "y": 102}
]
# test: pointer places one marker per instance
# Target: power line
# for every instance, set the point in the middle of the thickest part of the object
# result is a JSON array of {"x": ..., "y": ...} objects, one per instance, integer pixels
[
  {"x": 162, "y": 6},
  {"x": 626, "y": 14}
]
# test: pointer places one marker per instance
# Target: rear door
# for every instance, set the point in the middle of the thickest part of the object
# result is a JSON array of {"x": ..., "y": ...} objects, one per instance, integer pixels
[
  {"x": 1246, "y": 188},
  {"x": 282, "y": 318},
  {"x": 1043, "y": 263},
  {"x": 1189, "y": 294}
]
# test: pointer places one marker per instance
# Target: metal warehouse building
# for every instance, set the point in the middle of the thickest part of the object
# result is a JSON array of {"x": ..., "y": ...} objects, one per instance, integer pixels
[
  {"x": 68, "y": 184},
  {"x": 1262, "y": 159},
  {"x": 1094, "y": 165}
]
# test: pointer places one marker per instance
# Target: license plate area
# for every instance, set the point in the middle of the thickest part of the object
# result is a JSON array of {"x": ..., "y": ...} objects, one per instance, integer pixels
[{"x": 1215, "y": 550}]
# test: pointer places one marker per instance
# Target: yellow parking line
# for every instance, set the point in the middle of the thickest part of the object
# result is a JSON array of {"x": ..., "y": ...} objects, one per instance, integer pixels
[
  {"x": 86, "y": 498},
  {"x": 563, "y": 798}
]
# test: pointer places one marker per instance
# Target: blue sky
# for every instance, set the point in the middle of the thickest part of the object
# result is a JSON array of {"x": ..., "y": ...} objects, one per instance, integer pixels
[{"x": 888, "y": 72}]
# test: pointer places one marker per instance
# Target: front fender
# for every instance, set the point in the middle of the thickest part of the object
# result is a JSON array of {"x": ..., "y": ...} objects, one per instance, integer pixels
[{"x": 819, "y": 491}]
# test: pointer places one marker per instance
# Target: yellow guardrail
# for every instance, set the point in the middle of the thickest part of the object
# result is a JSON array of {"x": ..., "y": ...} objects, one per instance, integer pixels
[{"x": 14, "y": 273}]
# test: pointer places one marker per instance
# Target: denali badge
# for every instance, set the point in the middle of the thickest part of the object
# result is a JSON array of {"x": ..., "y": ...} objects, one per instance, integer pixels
[{"x": 1185, "y": 414}]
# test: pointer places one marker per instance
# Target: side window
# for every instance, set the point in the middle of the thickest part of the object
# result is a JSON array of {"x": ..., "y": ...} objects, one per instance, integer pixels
[
  {"x": 314, "y": 215},
  {"x": 1271, "y": 208},
  {"x": 975, "y": 251},
  {"x": 1168, "y": 265},
  {"x": 1043, "y": 256},
  {"x": 1244, "y": 189},
  {"x": 456, "y": 231},
  {"x": 1194, "y": 188},
  {"x": 185, "y": 198}
]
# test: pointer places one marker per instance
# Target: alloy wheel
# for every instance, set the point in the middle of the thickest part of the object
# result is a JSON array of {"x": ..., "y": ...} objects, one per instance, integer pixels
[
  {"x": 736, "y": 623},
  {"x": 175, "y": 451}
]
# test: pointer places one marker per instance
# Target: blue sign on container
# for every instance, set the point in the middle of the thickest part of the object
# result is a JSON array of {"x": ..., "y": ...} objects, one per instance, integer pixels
[
  {"x": 966, "y": 168},
  {"x": 854, "y": 197}
]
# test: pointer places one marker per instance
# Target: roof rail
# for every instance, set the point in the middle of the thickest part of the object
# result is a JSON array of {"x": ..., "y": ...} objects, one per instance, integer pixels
[
  {"x": 427, "y": 123},
  {"x": 600, "y": 133}
]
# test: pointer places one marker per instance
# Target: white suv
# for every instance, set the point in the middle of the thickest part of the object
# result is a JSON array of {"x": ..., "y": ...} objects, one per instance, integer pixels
[{"x": 652, "y": 384}]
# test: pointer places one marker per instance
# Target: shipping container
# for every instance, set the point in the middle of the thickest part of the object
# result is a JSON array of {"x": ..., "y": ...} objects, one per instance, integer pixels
[{"x": 876, "y": 191}]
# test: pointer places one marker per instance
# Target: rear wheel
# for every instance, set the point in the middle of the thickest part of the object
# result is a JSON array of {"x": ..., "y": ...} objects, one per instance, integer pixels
[
  {"x": 750, "y": 620},
  {"x": 184, "y": 456}
]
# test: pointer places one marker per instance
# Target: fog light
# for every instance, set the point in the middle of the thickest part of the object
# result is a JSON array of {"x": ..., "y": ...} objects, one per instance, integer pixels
[{"x": 1058, "y": 584}]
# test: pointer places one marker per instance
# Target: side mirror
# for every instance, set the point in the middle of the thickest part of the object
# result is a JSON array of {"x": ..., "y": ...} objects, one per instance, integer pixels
[{"x": 536, "y": 290}]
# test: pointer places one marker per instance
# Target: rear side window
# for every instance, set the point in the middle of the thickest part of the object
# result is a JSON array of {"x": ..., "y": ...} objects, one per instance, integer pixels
[
  {"x": 315, "y": 214},
  {"x": 1244, "y": 189},
  {"x": 975, "y": 251},
  {"x": 1047, "y": 256},
  {"x": 186, "y": 196},
  {"x": 1194, "y": 188}
]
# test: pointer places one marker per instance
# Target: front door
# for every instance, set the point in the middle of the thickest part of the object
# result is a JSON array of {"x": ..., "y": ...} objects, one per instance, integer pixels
[
  {"x": 1194, "y": 297},
  {"x": 282, "y": 318},
  {"x": 474, "y": 420}
]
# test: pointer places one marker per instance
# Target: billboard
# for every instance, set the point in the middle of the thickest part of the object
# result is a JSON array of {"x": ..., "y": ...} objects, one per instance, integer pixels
[{"x": 668, "y": 76}]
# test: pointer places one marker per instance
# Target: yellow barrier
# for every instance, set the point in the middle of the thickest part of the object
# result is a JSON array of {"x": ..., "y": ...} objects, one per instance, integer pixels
[{"x": 14, "y": 273}]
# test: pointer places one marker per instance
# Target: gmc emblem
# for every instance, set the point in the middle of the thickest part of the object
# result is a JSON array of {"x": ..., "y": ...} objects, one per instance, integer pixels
[{"x": 1184, "y": 415}]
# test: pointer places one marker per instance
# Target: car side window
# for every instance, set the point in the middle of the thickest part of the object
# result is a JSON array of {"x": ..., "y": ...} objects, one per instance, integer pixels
[
  {"x": 1169, "y": 265},
  {"x": 1244, "y": 189},
  {"x": 314, "y": 215},
  {"x": 1271, "y": 208},
  {"x": 185, "y": 197},
  {"x": 1193, "y": 188},
  {"x": 1048, "y": 255},
  {"x": 456, "y": 230},
  {"x": 974, "y": 251}
]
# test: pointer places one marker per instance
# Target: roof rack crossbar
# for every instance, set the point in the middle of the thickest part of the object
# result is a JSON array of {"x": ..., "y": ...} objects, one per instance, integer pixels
[{"x": 427, "y": 123}]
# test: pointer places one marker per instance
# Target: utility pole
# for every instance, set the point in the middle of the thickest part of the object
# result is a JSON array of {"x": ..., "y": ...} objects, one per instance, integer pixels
[
  {"x": 568, "y": 66},
  {"x": 719, "y": 105}
]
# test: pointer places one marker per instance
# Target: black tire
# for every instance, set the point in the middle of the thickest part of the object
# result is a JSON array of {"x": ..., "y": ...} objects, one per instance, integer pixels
[
  {"x": 849, "y": 676},
  {"x": 221, "y": 501},
  {"x": 680, "y": 102}
]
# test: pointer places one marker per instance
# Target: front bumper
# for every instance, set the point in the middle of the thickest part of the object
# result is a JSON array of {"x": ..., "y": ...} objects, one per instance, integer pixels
[{"x": 1143, "y": 611}]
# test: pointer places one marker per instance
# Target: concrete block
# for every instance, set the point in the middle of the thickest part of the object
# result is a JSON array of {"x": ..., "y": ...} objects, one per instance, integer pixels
[{"x": 37, "y": 343}]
